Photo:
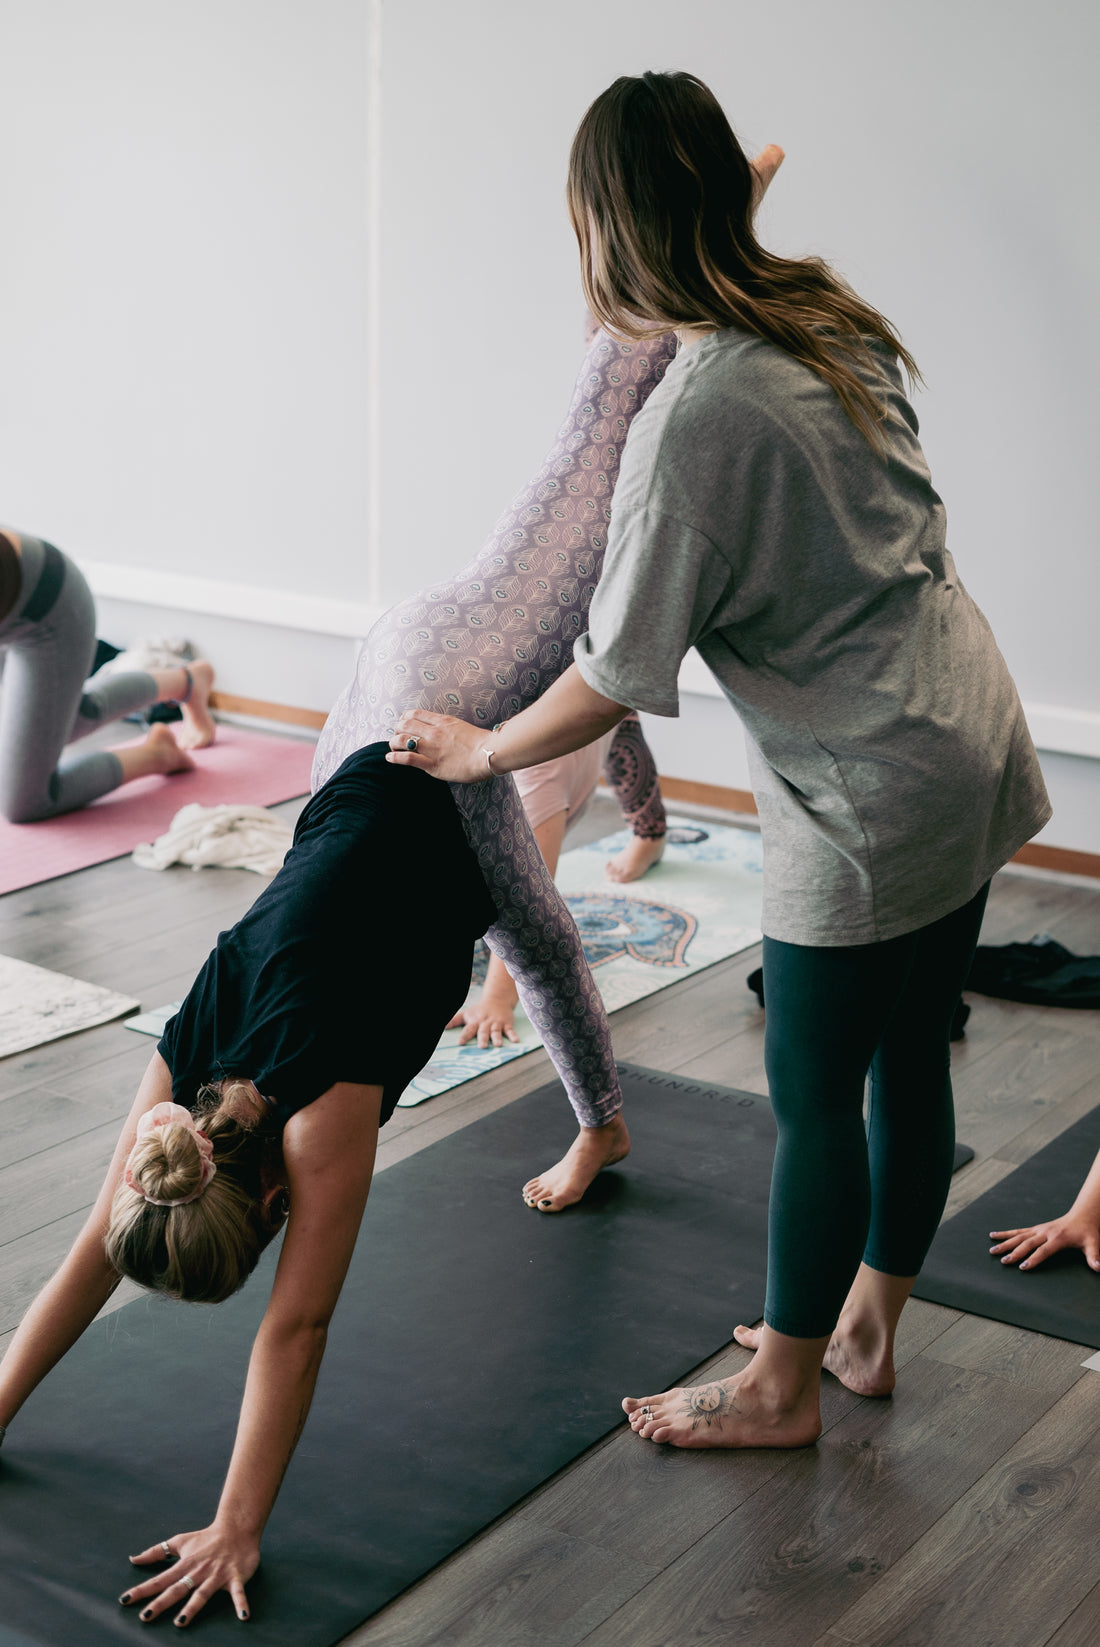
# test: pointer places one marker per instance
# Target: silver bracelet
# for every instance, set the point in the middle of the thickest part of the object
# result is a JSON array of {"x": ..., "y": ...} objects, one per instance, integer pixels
[{"x": 489, "y": 753}]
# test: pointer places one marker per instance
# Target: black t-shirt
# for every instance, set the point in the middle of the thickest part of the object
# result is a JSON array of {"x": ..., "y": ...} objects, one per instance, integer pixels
[{"x": 348, "y": 965}]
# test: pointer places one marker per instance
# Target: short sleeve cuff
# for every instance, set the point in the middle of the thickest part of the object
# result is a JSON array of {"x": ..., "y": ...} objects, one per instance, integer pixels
[{"x": 635, "y": 695}]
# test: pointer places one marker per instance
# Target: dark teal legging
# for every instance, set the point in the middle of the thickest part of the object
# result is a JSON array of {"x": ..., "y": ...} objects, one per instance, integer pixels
[{"x": 842, "y": 1193}]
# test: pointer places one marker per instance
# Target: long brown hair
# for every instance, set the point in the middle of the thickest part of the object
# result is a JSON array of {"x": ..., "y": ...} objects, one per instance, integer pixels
[
  {"x": 200, "y": 1250},
  {"x": 661, "y": 196}
]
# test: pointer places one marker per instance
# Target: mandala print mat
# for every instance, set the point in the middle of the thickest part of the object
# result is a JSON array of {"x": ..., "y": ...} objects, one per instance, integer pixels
[
  {"x": 700, "y": 904},
  {"x": 37, "y": 1005}
]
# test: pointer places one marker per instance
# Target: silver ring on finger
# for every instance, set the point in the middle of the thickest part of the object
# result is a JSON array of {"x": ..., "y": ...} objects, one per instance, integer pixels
[
  {"x": 169, "y": 1553},
  {"x": 412, "y": 745},
  {"x": 647, "y": 1412},
  {"x": 190, "y": 1582}
]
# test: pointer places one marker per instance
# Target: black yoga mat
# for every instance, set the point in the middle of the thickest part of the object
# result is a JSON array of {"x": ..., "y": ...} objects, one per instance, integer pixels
[
  {"x": 477, "y": 1349},
  {"x": 1062, "y": 1296}
]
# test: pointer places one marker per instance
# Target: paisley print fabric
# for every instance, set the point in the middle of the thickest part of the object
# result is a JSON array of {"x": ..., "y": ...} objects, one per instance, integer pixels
[{"x": 483, "y": 646}]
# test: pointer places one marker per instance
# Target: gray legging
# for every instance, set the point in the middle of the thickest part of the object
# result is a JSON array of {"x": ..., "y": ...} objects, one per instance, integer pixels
[{"x": 47, "y": 643}]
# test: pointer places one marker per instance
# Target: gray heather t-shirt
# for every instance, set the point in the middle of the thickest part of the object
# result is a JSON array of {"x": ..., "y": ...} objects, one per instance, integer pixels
[{"x": 891, "y": 763}]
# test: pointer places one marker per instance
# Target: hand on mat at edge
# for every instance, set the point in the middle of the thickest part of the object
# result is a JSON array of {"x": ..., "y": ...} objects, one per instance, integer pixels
[
  {"x": 489, "y": 1020},
  {"x": 1039, "y": 1241},
  {"x": 215, "y": 1558}
]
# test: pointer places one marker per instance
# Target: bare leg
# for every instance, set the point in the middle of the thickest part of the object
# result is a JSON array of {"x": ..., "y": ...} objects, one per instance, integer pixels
[
  {"x": 159, "y": 753},
  {"x": 631, "y": 772},
  {"x": 861, "y": 1350},
  {"x": 775, "y": 1402},
  {"x": 190, "y": 688}
]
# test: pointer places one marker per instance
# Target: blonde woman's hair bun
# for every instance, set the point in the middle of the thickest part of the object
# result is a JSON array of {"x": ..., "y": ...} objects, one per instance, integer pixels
[{"x": 166, "y": 1166}]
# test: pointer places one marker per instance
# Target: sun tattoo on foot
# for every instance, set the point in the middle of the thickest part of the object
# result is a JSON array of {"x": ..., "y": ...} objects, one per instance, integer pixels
[{"x": 707, "y": 1404}]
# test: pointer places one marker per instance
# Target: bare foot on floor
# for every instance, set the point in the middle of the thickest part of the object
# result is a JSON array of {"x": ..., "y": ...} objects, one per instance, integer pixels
[
  {"x": 635, "y": 858},
  {"x": 198, "y": 728},
  {"x": 733, "y": 1412},
  {"x": 865, "y": 1368},
  {"x": 164, "y": 753},
  {"x": 593, "y": 1149}
]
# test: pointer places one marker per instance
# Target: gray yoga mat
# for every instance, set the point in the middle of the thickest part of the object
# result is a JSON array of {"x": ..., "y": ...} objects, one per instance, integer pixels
[
  {"x": 1061, "y": 1297},
  {"x": 478, "y": 1348}
]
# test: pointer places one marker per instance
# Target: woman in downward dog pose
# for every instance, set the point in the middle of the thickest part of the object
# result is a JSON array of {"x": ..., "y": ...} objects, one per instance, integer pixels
[
  {"x": 47, "y": 643},
  {"x": 262, "y": 1103},
  {"x": 775, "y": 510}
]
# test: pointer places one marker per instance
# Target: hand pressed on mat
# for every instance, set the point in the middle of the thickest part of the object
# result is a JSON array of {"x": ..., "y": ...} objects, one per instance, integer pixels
[
  {"x": 1033, "y": 1245},
  {"x": 217, "y": 1558},
  {"x": 1079, "y": 1227}
]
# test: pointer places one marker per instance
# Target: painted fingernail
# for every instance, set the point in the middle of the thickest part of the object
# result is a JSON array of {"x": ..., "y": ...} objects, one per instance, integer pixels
[
  {"x": 544, "y": 1203},
  {"x": 148, "y": 1613},
  {"x": 1023, "y": 1266},
  {"x": 124, "y": 1600},
  {"x": 180, "y": 1621},
  {"x": 243, "y": 1613}
]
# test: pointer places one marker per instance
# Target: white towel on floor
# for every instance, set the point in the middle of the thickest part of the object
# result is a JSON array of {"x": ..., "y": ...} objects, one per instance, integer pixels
[{"x": 227, "y": 837}]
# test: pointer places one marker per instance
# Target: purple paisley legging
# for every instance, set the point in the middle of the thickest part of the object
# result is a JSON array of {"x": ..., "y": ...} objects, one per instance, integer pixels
[{"x": 484, "y": 646}]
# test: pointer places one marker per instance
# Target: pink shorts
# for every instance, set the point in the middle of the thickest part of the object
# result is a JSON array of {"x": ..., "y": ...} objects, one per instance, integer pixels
[{"x": 564, "y": 785}]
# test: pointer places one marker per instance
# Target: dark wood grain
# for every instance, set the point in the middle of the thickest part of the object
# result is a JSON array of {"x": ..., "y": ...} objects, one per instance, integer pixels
[
  {"x": 1013, "y": 1558},
  {"x": 795, "y": 1556}
]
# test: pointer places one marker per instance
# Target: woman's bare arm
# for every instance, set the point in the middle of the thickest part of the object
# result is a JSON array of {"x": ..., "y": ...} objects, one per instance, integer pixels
[
  {"x": 328, "y": 1150},
  {"x": 85, "y": 1280}
]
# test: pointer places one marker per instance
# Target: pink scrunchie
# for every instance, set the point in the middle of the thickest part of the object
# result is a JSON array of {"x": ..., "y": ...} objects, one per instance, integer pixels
[{"x": 172, "y": 1115}]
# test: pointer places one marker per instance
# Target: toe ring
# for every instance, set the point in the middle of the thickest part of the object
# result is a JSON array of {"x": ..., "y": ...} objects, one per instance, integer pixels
[{"x": 647, "y": 1412}]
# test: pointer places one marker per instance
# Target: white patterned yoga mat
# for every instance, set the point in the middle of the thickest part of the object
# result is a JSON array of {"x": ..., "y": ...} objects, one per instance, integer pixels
[
  {"x": 700, "y": 904},
  {"x": 37, "y": 1005}
]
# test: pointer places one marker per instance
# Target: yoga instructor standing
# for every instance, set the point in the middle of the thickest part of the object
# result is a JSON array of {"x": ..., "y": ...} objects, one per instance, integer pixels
[{"x": 775, "y": 510}]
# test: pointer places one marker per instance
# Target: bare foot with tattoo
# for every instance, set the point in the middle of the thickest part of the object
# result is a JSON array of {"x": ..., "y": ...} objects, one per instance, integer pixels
[
  {"x": 593, "y": 1149},
  {"x": 635, "y": 858},
  {"x": 733, "y": 1412}
]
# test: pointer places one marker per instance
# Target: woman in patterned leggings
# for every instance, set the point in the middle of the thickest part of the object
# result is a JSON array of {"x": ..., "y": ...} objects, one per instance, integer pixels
[{"x": 483, "y": 646}]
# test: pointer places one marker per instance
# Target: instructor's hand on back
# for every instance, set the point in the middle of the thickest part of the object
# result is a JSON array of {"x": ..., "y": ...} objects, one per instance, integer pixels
[{"x": 447, "y": 748}]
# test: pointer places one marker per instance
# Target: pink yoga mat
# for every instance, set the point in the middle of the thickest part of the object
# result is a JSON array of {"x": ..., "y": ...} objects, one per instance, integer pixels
[{"x": 241, "y": 768}]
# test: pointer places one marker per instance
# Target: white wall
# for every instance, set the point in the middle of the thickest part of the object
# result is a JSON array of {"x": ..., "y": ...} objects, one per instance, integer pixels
[
  {"x": 225, "y": 358},
  {"x": 182, "y": 324},
  {"x": 941, "y": 156}
]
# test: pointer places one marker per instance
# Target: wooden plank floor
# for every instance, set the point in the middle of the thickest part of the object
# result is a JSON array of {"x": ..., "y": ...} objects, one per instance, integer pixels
[{"x": 960, "y": 1513}]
